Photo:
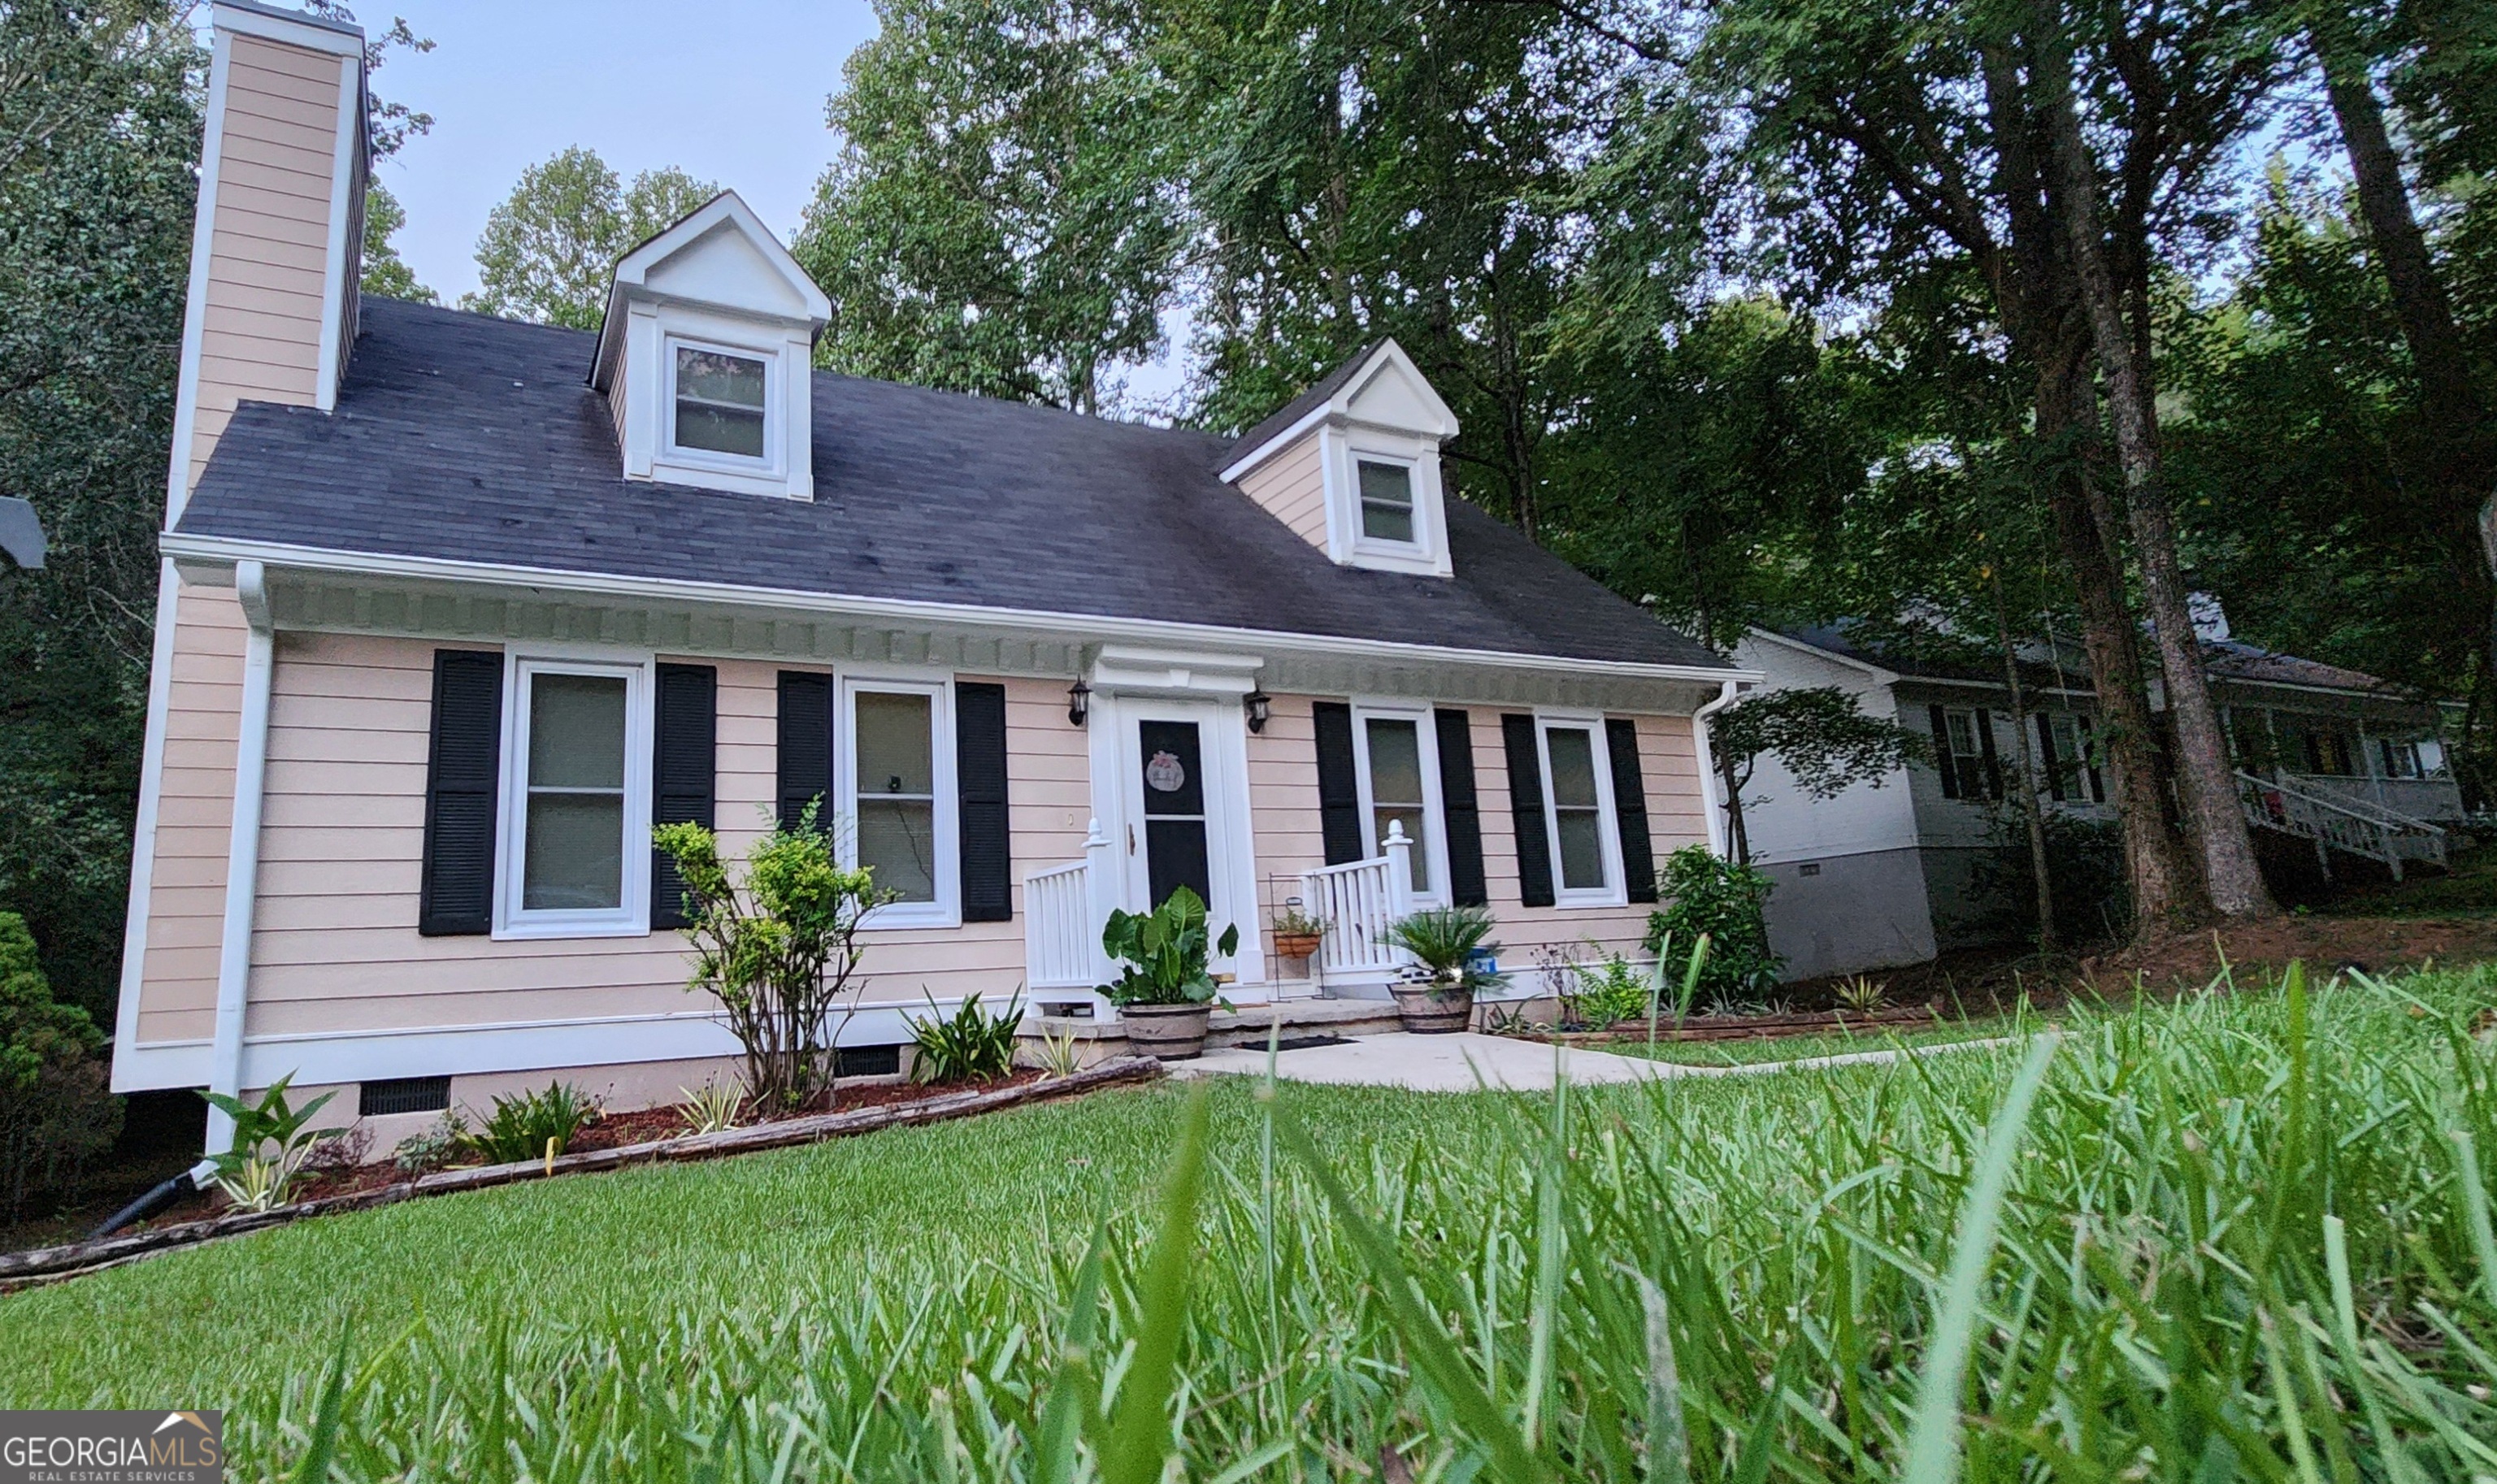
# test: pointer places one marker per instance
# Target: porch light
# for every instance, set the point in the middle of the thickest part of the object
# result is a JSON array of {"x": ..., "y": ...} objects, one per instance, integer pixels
[
  {"x": 1079, "y": 702},
  {"x": 1258, "y": 704}
]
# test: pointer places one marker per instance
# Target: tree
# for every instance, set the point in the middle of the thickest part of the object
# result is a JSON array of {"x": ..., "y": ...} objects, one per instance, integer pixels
[
  {"x": 999, "y": 218},
  {"x": 550, "y": 249},
  {"x": 1820, "y": 735},
  {"x": 54, "y": 1107},
  {"x": 385, "y": 274}
]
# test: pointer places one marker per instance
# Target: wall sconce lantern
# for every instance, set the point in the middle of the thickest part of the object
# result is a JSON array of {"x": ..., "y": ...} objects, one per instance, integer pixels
[
  {"x": 1079, "y": 702},
  {"x": 1258, "y": 705}
]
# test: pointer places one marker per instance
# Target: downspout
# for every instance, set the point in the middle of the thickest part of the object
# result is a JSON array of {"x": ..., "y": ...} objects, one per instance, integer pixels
[
  {"x": 242, "y": 852},
  {"x": 1713, "y": 806}
]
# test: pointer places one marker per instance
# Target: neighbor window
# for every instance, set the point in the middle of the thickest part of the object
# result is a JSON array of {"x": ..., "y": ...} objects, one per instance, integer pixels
[
  {"x": 580, "y": 779},
  {"x": 1575, "y": 795},
  {"x": 2401, "y": 759},
  {"x": 1397, "y": 775},
  {"x": 1386, "y": 501},
  {"x": 720, "y": 399},
  {"x": 2071, "y": 760},
  {"x": 899, "y": 763},
  {"x": 1966, "y": 756}
]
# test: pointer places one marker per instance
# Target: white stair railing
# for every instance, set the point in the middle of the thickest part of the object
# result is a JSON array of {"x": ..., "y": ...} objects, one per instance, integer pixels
[
  {"x": 1057, "y": 945},
  {"x": 1357, "y": 902},
  {"x": 2339, "y": 823}
]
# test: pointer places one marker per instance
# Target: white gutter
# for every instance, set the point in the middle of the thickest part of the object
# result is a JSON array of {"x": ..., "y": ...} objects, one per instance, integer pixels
[
  {"x": 1712, "y": 806},
  {"x": 243, "y": 850},
  {"x": 822, "y": 605}
]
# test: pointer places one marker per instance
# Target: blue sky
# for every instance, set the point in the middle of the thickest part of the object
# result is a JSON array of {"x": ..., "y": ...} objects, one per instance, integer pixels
[{"x": 730, "y": 90}]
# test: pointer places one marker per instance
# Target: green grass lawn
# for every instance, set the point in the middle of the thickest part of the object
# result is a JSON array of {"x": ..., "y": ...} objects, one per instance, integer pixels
[
  {"x": 2231, "y": 1245},
  {"x": 1750, "y": 1053}
]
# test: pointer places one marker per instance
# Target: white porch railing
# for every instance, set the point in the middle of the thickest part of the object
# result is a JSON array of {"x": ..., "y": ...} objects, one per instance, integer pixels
[
  {"x": 2340, "y": 824},
  {"x": 1063, "y": 910},
  {"x": 1357, "y": 902}
]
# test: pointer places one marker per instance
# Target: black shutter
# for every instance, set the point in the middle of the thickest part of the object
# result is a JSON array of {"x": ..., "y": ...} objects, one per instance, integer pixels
[
  {"x": 1943, "y": 762},
  {"x": 1462, "y": 810},
  {"x": 1629, "y": 808},
  {"x": 1985, "y": 749},
  {"x": 1526, "y": 803},
  {"x": 1338, "y": 791},
  {"x": 685, "y": 769},
  {"x": 805, "y": 743},
  {"x": 455, "y": 897},
  {"x": 2046, "y": 750},
  {"x": 980, "y": 773}
]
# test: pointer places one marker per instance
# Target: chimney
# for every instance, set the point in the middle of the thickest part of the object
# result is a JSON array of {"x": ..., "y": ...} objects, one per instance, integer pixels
[{"x": 277, "y": 242}]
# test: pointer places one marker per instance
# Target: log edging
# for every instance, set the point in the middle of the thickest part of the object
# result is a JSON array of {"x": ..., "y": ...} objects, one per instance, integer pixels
[{"x": 51, "y": 1264}]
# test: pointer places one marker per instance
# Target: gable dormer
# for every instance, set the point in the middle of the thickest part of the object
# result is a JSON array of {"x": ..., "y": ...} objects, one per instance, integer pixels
[
  {"x": 705, "y": 356},
  {"x": 1353, "y": 466}
]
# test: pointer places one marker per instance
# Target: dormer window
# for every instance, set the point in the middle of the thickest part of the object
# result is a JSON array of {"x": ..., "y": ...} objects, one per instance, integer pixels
[
  {"x": 721, "y": 399},
  {"x": 1386, "y": 501}
]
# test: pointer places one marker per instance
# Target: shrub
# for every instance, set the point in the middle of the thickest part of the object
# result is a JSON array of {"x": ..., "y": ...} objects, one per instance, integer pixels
[
  {"x": 519, "y": 1128},
  {"x": 272, "y": 1144},
  {"x": 55, "y": 1109},
  {"x": 777, "y": 948},
  {"x": 1613, "y": 992},
  {"x": 973, "y": 1046},
  {"x": 420, "y": 1153},
  {"x": 713, "y": 1109},
  {"x": 1705, "y": 892},
  {"x": 1166, "y": 951}
]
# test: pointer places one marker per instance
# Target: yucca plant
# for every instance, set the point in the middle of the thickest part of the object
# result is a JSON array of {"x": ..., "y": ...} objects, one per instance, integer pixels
[
  {"x": 712, "y": 1109},
  {"x": 970, "y": 1045}
]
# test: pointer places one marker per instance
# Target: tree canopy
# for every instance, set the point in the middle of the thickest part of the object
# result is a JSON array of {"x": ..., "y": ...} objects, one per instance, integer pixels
[{"x": 550, "y": 248}]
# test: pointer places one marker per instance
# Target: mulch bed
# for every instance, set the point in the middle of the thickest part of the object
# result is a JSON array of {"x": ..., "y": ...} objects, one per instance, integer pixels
[
  {"x": 862, "y": 1110},
  {"x": 1746, "y": 1027}
]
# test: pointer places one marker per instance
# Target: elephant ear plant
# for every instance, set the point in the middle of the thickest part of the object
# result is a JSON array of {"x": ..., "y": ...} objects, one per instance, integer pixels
[
  {"x": 1167, "y": 952},
  {"x": 777, "y": 948}
]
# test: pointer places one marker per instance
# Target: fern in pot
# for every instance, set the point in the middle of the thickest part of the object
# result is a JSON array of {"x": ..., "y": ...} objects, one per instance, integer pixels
[
  {"x": 1165, "y": 993},
  {"x": 1447, "y": 944}
]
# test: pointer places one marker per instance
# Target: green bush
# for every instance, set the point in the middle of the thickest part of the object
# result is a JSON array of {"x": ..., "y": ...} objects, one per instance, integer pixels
[
  {"x": 1705, "y": 892},
  {"x": 1167, "y": 952},
  {"x": 972, "y": 1046},
  {"x": 1605, "y": 995},
  {"x": 55, "y": 1107},
  {"x": 519, "y": 1128}
]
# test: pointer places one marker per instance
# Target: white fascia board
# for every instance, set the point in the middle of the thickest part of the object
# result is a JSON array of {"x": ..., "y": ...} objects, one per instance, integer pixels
[
  {"x": 294, "y": 30},
  {"x": 1143, "y": 631},
  {"x": 1885, "y": 677},
  {"x": 634, "y": 268},
  {"x": 1275, "y": 444}
]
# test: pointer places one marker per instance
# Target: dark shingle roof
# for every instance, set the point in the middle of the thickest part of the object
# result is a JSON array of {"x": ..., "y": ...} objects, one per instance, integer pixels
[
  {"x": 467, "y": 438},
  {"x": 2230, "y": 659}
]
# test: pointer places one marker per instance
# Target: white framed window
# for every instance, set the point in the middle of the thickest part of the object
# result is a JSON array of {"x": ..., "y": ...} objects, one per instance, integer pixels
[
  {"x": 1578, "y": 810},
  {"x": 1385, "y": 489},
  {"x": 896, "y": 778},
  {"x": 2075, "y": 773},
  {"x": 575, "y": 799},
  {"x": 720, "y": 403},
  {"x": 1397, "y": 770}
]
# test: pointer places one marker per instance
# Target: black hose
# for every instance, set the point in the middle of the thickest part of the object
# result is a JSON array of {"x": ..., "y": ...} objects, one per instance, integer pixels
[{"x": 155, "y": 1200}]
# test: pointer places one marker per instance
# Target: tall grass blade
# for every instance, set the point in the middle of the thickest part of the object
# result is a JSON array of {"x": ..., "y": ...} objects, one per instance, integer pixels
[
  {"x": 1074, "y": 1393},
  {"x": 1139, "y": 1434},
  {"x": 314, "y": 1466},
  {"x": 1934, "y": 1437},
  {"x": 1668, "y": 1438},
  {"x": 2475, "y": 1207}
]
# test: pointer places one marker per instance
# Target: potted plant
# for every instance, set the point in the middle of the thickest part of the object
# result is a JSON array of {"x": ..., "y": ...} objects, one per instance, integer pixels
[
  {"x": 1165, "y": 993},
  {"x": 1447, "y": 945},
  {"x": 1296, "y": 933}
]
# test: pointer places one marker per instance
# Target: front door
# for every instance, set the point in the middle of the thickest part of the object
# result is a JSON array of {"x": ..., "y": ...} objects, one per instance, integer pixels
[
  {"x": 1170, "y": 758},
  {"x": 1182, "y": 772}
]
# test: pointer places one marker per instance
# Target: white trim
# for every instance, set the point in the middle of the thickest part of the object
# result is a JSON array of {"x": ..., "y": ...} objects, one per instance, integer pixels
[
  {"x": 242, "y": 848},
  {"x": 1230, "y": 836},
  {"x": 142, "y": 842},
  {"x": 342, "y": 169},
  {"x": 1712, "y": 804},
  {"x": 1151, "y": 631},
  {"x": 1275, "y": 444},
  {"x": 195, "y": 302},
  {"x": 946, "y": 911},
  {"x": 1426, "y": 736},
  {"x": 294, "y": 30},
  {"x": 771, "y": 461},
  {"x": 1612, "y": 893},
  {"x": 631, "y": 916},
  {"x": 1877, "y": 672}
]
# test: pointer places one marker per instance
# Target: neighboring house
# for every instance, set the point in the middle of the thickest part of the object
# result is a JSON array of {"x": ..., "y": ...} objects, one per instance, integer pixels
[
  {"x": 2334, "y": 766},
  {"x": 454, "y": 608}
]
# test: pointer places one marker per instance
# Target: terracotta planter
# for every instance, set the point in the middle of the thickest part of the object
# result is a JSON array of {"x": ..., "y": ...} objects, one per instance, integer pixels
[
  {"x": 1424, "y": 1013},
  {"x": 1296, "y": 945},
  {"x": 1166, "y": 1033}
]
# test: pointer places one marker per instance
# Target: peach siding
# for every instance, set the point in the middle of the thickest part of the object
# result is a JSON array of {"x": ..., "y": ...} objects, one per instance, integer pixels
[
  {"x": 193, "y": 817},
  {"x": 269, "y": 255},
  {"x": 336, "y": 945},
  {"x": 1283, "y": 804},
  {"x": 1292, "y": 486}
]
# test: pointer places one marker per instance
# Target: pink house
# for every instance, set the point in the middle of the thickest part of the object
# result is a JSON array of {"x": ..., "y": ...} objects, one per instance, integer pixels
[{"x": 453, "y": 608}]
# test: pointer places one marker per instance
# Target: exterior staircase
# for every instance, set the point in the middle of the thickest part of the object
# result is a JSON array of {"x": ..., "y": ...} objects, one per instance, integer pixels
[{"x": 2366, "y": 830}]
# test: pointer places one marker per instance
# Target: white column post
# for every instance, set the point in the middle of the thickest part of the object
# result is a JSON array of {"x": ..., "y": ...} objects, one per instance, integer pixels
[
  {"x": 243, "y": 847},
  {"x": 1400, "y": 872},
  {"x": 1100, "y": 900}
]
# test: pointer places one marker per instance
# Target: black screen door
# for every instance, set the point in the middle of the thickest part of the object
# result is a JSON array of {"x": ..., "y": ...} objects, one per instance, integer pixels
[{"x": 1174, "y": 852}]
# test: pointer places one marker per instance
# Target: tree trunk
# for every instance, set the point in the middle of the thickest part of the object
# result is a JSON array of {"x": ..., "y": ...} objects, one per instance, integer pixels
[
  {"x": 2031, "y": 811},
  {"x": 2207, "y": 783},
  {"x": 1738, "y": 836}
]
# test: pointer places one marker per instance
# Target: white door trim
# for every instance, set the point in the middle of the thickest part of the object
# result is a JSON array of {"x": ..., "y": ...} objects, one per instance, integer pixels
[{"x": 1231, "y": 855}]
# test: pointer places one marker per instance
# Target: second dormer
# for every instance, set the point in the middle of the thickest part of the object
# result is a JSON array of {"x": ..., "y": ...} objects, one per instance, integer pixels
[
  {"x": 705, "y": 356},
  {"x": 1353, "y": 466}
]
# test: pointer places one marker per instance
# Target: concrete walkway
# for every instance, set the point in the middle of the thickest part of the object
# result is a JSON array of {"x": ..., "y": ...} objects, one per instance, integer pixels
[{"x": 1470, "y": 1061}]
